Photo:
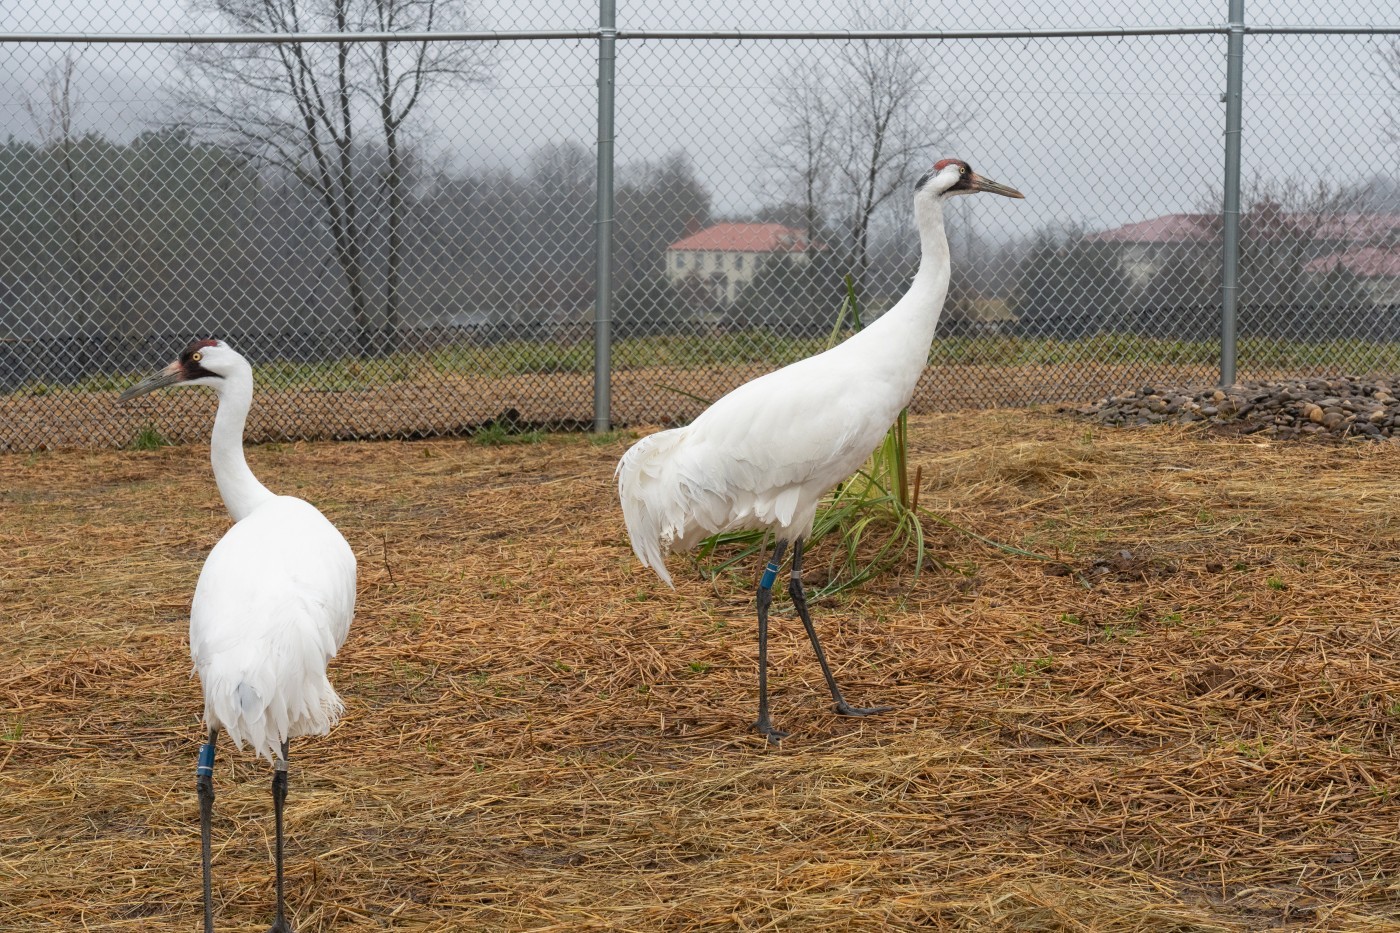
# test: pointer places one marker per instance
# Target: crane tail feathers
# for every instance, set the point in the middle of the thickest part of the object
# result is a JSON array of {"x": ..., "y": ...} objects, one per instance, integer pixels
[
  {"x": 264, "y": 704},
  {"x": 676, "y": 491},
  {"x": 785, "y": 505},
  {"x": 658, "y": 512}
]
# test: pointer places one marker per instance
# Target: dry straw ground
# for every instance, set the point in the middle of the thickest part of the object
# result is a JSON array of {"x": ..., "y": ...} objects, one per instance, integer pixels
[{"x": 1189, "y": 722}]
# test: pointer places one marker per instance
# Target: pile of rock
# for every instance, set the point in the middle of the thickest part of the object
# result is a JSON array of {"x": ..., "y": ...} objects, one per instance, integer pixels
[{"x": 1339, "y": 407}]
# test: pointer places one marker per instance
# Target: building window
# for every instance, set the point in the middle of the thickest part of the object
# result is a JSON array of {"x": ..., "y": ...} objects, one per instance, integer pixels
[
  {"x": 680, "y": 261},
  {"x": 738, "y": 262}
]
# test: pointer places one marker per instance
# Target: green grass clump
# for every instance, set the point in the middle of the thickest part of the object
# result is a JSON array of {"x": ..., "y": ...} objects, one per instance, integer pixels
[
  {"x": 148, "y": 438},
  {"x": 498, "y": 435}
]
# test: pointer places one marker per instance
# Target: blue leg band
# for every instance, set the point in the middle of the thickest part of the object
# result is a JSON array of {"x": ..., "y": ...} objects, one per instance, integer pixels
[
  {"x": 206, "y": 759},
  {"x": 770, "y": 573}
]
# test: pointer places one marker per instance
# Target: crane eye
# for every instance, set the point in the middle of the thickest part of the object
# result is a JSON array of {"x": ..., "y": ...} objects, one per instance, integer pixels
[
  {"x": 197, "y": 356},
  {"x": 962, "y": 170}
]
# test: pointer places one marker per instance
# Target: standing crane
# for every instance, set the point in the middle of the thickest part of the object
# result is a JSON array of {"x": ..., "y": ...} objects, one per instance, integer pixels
[
  {"x": 272, "y": 606},
  {"x": 765, "y": 454}
]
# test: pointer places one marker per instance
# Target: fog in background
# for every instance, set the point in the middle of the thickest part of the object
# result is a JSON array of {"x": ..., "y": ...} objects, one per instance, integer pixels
[
  {"x": 138, "y": 230},
  {"x": 1096, "y": 131}
]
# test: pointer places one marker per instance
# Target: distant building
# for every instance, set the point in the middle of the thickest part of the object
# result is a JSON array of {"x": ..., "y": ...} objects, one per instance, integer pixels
[
  {"x": 726, "y": 257},
  {"x": 1377, "y": 268},
  {"x": 1144, "y": 247},
  {"x": 1367, "y": 246}
]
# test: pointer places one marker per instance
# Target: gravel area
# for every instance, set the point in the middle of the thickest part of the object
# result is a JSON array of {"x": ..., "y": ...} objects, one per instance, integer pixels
[{"x": 1339, "y": 407}]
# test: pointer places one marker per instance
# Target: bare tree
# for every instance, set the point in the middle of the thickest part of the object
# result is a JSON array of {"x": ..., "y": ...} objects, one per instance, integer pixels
[
  {"x": 559, "y": 199},
  {"x": 1285, "y": 224},
  {"x": 801, "y": 157},
  {"x": 299, "y": 107},
  {"x": 859, "y": 130},
  {"x": 1390, "y": 66},
  {"x": 402, "y": 71},
  {"x": 53, "y": 117},
  {"x": 888, "y": 129}
]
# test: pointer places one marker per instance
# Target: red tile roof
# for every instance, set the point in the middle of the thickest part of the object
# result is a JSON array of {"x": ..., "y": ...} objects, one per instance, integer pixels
[
  {"x": 744, "y": 238},
  {"x": 1172, "y": 228},
  {"x": 1368, "y": 262},
  {"x": 1354, "y": 227},
  {"x": 1194, "y": 228}
]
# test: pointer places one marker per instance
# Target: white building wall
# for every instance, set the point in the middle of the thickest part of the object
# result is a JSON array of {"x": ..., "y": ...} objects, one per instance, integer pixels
[{"x": 731, "y": 270}]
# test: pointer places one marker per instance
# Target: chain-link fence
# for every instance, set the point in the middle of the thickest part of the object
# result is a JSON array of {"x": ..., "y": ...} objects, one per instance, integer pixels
[{"x": 392, "y": 206}]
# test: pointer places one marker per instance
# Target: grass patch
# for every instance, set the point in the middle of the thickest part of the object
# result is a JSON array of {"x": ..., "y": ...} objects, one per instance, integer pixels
[
  {"x": 771, "y": 350},
  {"x": 148, "y": 438},
  {"x": 1026, "y": 668},
  {"x": 499, "y": 435}
]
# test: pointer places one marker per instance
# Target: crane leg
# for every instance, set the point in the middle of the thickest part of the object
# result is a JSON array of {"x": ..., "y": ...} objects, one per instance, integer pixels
[
  {"x": 799, "y": 600},
  {"x": 765, "y": 599},
  {"x": 279, "y": 797},
  {"x": 204, "y": 785}
]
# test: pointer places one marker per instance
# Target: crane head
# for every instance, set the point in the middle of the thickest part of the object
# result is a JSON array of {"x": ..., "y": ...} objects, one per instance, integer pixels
[
  {"x": 201, "y": 363},
  {"x": 950, "y": 177}
]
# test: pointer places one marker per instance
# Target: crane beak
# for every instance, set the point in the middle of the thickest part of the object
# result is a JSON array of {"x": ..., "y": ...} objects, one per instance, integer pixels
[
  {"x": 978, "y": 183},
  {"x": 167, "y": 376}
]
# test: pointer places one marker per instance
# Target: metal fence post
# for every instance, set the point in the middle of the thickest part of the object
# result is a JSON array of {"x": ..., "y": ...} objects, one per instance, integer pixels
[
  {"x": 1230, "y": 247},
  {"x": 602, "y": 302}
]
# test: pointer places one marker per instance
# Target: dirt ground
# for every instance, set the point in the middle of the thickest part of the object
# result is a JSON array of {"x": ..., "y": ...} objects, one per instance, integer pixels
[
  {"x": 444, "y": 404},
  {"x": 1189, "y": 719}
]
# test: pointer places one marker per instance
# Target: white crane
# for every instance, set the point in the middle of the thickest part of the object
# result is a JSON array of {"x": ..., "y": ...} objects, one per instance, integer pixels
[
  {"x": 765, "y": 454},
  {"x": 272, "y": 606}
]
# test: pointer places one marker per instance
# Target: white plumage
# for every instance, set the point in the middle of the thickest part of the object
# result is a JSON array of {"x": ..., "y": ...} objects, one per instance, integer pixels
[
  {"x": 765, "y": 454},
  {"x": 272, "y": 606}
]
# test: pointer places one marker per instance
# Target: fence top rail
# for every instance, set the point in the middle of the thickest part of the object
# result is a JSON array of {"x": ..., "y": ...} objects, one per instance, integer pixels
[
  {"x": 843, "y": 35},
  {"x": 1370, "y": 29},
  {"x": 246, "y": 38},
  {"x": 1072, "y": 32},
  {"x": 839, "y": 35}
]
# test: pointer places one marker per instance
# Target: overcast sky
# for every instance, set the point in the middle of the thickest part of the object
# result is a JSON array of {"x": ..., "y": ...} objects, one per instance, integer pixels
[{"x": 1094, "y": 131}]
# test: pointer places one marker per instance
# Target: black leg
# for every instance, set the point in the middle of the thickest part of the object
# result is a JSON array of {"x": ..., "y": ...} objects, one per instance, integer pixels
[
  {"x": 279, "y": 797},
  {"x": 799, "y": 600},
  {"x": 204, "y": 785},
  {"x": 765, "y": 599}
]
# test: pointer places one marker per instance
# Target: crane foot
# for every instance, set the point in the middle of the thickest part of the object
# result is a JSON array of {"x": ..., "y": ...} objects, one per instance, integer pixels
[
  {"x": 846, "y": 709},
  {"x": 774, "y": 736}
]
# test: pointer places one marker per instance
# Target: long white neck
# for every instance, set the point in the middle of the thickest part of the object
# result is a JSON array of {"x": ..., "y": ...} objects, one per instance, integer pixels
[
  {"x": 907, "y": 328},
  {"x": 240, "y": 489}
]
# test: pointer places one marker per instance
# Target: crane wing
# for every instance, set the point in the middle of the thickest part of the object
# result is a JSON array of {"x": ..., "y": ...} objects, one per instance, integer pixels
[
  {"x": 273, "y": 605},
  {"x": 761, "y": 456}
]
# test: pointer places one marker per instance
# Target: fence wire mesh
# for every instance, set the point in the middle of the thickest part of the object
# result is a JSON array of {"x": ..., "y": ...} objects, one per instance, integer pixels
[{"x": 401, "y": 234}]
